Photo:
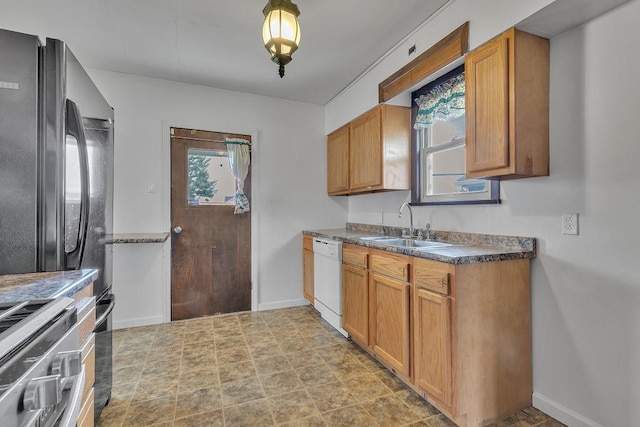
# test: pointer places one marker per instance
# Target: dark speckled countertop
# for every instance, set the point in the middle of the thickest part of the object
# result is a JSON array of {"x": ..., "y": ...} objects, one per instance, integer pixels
[
  {"x": 136, "y": 238},
  {"x": 466, "y": 248},
  {"x": 30, "y": 286}
]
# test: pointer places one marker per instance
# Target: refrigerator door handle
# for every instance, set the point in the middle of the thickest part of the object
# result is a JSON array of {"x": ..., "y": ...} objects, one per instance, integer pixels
[{"x": 75, "y": 129}]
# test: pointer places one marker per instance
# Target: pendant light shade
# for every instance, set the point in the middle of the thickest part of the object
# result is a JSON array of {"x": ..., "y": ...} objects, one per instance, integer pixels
[{"x": 281, "y": 31}]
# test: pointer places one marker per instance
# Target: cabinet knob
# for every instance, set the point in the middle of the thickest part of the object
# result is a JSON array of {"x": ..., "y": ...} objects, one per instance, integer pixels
[{"x": 177, "y": 229}]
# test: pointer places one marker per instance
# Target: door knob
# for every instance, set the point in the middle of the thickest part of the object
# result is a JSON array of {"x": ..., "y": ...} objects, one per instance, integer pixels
[{"x": 177, "y": 229}]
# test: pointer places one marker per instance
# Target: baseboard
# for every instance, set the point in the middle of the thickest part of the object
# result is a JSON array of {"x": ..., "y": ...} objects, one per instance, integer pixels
[
  {"x": 560, "y": 412},
  {"x": 140, "y": 321},
  {"x": 282, "y": 304}
]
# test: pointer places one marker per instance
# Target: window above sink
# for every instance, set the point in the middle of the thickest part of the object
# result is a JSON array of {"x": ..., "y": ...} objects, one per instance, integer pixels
[{"x": 438, "y": 146}]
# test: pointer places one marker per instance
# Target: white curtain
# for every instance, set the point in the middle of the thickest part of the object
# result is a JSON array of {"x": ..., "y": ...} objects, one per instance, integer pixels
[{"x": 239, "y": 159}]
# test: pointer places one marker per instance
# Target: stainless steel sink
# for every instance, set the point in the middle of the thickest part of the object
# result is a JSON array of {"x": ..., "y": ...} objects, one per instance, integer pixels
[
  {"x": 378, "y": 238},
  {"x": 408, "y": 243}
]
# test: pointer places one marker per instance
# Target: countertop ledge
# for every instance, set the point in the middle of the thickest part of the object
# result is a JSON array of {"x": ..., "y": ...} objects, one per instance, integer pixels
[
  {"x": 136, "y": 238},
  {"x": 468, "y": 248},
  {"x": 31, "y": 286}
]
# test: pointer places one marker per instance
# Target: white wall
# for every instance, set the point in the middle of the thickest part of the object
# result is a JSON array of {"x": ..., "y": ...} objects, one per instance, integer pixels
[
  {"x": 586, "y": 288},
  {"x": 288, "y": 187}
]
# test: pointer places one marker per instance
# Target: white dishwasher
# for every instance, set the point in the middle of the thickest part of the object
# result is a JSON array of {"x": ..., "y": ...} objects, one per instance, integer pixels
[{"x": 327, "y": 281}]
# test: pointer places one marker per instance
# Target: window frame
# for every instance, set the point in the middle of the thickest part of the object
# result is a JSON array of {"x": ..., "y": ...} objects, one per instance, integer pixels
[{"x": 418, "y": 172}]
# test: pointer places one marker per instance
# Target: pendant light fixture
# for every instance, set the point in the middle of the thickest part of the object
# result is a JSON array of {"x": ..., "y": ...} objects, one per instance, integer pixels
[{"x": 281, "y": 31}]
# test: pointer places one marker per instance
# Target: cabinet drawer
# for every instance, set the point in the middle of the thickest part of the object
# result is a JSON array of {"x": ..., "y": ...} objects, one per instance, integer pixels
[
  {"x": 307, "y": 242},
  {"x": 89, "y": 360},
  {"x": 431, "y": 275},
  {"x": 391, "y": 265},
  {"x": 86, "y": 317},
  {"x": 355, "y": 255},
  {"x": 85, "y": 418},
  {"x": 86, "y": 292}
]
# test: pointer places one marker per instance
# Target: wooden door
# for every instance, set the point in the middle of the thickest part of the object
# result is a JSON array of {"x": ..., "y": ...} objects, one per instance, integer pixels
[
  {"x": 355, "y": 303},
  {"x": 211, "y": 251},
  {"x": 365, "y": 151},
  {"x": 487, "y": 107},
  {"x": 391, "y": 313},
  {"x": 338, "y": 161},
  {"x": 432, "y": 345}
]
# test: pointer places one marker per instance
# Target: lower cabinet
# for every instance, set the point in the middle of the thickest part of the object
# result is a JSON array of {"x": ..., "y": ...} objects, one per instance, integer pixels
[
  {"x": 307, "y": 267},
  {"x": 458, "y": 334},
  {"x": 432, "y": 345},
  {"x": 355, "y": 314},
  {"x": 390, "y": 305}
]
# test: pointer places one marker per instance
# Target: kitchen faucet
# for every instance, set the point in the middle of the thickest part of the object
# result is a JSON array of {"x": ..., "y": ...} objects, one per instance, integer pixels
[{"x": 410, "y": 217}]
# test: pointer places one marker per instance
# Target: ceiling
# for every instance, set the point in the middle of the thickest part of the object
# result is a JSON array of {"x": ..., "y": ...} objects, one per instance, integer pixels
[{"x": 219, "y": 43}]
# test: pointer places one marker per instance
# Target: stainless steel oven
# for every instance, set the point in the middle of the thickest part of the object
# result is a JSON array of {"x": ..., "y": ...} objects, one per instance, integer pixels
[{"x": 41, "y": 372}]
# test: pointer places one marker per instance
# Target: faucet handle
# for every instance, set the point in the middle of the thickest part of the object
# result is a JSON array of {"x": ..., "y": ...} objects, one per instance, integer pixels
[{"x": 419, "y": 237}]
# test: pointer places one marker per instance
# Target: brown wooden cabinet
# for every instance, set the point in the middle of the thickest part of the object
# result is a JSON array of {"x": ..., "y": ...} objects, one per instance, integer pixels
[
  {"x": 338, "y": 161},
  {"x": 472, "y": 338},
  {"x": 432, "y": 344},
  {"x": 355, "y": 313},
  {"x": 432, "y": 332},
  {"x": 307, "y": 267},
  {"x": 376, "y": 303},
  {"x": 459, "y": 334},
  {"x": 371, "y": 153},
  {"x": 390, "y": 305},
  {"x": 507, "y": 107},
  {"x": 355, "y": 292}
]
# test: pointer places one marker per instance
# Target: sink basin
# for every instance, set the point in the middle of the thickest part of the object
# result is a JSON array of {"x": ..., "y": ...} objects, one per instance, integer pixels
[
  {"x": 411, "y": 243},
  {"x": 378, "y": 238}
]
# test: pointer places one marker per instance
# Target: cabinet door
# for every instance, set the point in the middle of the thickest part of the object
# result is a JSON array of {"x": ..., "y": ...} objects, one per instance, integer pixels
[
  {"x": 307, "y": 275},
  {"x": 432, "y": 345},
  {"x": 355, "y": 303},
  {"x": 338, "y": 161},
  {"x": 487, "y": 107},
  {"x": 391, "y": 313},
  {"x": 365, "y": 151}
]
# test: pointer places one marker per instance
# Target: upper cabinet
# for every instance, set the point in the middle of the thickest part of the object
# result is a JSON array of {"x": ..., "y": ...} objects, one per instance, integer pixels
[
  {"x": 507, "y": 107},
  {"x": 338, "y": 161},
  {"x": 371, "y": 153}
]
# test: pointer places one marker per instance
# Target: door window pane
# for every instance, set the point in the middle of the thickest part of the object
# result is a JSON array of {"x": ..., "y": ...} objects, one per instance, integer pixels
[
  {"x": 72, "y": 190},
  {"x": 209, "y": 178}
]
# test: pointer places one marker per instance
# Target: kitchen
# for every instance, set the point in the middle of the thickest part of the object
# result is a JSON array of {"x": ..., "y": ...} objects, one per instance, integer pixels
[{"x": 584, "y": 291}]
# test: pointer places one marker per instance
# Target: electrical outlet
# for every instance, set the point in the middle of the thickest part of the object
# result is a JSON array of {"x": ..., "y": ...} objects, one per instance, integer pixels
[
  {"x": 570, "y": 223},
  {"x": 151, "y": 188},
  {"x": 379, "y": 218},
  {"x": 412, "y": 49}
]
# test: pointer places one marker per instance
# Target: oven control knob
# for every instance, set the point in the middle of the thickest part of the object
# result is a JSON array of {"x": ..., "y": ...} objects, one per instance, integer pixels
[
  {"x": 42, "y": 392},
  {"x": 67, "y": 364}
]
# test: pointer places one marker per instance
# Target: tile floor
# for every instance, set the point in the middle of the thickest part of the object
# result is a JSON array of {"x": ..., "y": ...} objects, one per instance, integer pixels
[{"x": 281, "y": 367}]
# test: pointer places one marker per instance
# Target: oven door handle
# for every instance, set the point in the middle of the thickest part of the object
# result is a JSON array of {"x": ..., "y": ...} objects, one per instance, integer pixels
[
  {"x": 71, "y": 412},
  {"x": 112, "y": 303}
]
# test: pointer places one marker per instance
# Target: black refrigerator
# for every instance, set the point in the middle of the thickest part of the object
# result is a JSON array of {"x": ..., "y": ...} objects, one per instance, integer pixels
[{"x": 56, "y": 174}]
